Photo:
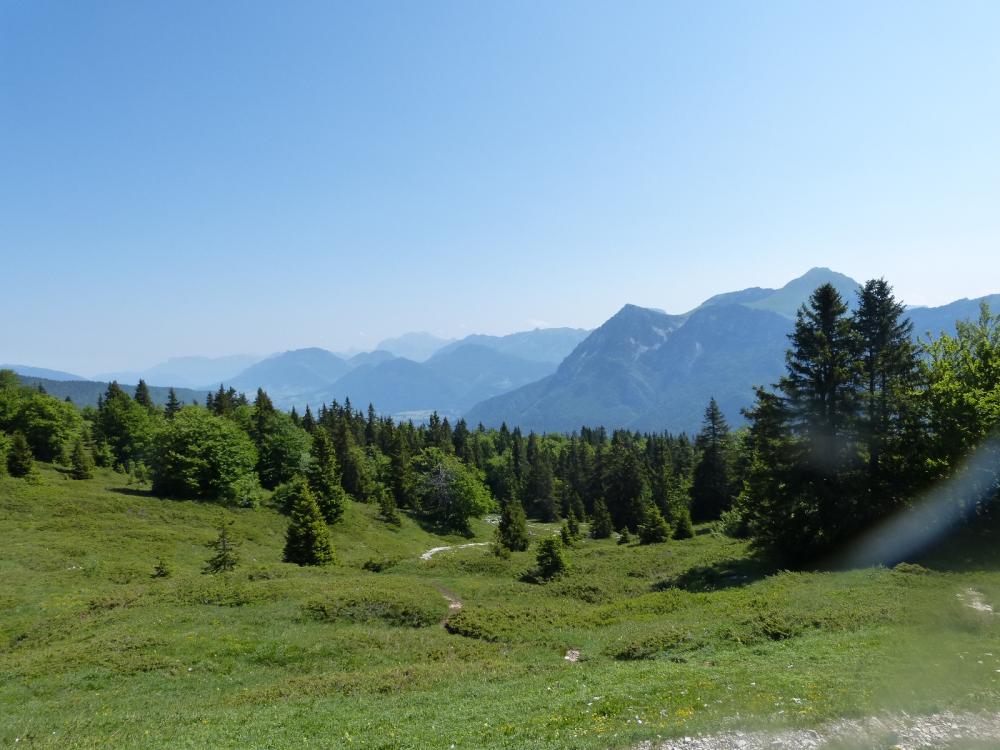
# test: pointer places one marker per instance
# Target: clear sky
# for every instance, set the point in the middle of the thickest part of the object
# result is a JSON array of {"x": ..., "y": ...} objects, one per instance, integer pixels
[{"x": 221, "y": 177}]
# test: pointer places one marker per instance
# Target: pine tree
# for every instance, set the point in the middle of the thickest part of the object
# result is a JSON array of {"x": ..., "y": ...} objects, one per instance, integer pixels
[
  {"x": 888, "y": 424},
  {"x": 20, "y": 462},
  {"x": 801, "y": 485},
  {"x": 173, "y": 404},
  {"x": 624, "y": 537},
  {"x": 387, "y": 507},
  {"x": 225, "y": 557},
  {"x": 712, "y": 488},
  {"x": 600, "y": 524},
  {"x": 539, "y": 485},
  {"x": 654, "y": 528},
  {"x": 512, "y": 531},
  {"x": 566, "y": 535},
  {"x": 143, "y": 397},
  {"x": 324, "y": 477},
  {"x": 308, "y": 421},
  {"x": 82, "y": 461},
  {"x": 308, "y": 539},
  {"x": 549, "y": 559},
  {"x": 683, "y": 529},
  {"x": 572, "y": 525}
]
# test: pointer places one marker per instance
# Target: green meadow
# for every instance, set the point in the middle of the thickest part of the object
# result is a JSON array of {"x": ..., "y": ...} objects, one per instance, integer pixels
[{"x": 673, "y": 639}]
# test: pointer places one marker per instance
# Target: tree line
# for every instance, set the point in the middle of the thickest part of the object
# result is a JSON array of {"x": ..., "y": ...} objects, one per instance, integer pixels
[{"x": 863, "y": 421}]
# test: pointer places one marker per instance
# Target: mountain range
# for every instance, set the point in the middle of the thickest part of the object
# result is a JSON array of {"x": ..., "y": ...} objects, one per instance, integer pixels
[
  {"x": 642, "y": 369},
  {"x": 647, "y": 370}
]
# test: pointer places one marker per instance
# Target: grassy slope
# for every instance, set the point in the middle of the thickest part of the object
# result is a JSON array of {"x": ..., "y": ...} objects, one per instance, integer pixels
[{"x": 675, "y": 638}]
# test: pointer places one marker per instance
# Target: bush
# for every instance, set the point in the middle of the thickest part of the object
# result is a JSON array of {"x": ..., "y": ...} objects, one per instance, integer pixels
[
  {"x": 663, "y": 643},
  {"x": 408, "y": 609},
  {"x": 198, "y": 455},
  {"x": 733, "y": 523},
  {"x": 377, "y": 565}
]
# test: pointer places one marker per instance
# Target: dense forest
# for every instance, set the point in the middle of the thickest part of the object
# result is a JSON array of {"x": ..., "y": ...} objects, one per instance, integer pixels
[{"x": 862, "y": 424}]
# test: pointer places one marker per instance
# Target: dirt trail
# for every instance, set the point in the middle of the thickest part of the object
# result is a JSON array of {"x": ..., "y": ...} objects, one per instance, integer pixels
[
  {"x": 902, "y": 732},
  {"x": 435, "y": 550},
  {"x": 454, "y": 604}
]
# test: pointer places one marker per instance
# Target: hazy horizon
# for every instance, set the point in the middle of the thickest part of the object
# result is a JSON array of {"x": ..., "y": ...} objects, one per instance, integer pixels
[{"x": 214, "y": 179}]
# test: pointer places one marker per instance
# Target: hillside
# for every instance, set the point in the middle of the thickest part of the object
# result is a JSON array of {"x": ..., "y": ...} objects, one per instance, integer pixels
[
  {"x": 87, "y": 392},
  {"x": 670, "y": 641}
]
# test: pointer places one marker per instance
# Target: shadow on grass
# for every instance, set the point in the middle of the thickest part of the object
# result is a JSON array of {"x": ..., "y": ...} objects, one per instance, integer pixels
[
  {"x": 725, "y": 574},
  {"x": 132, "y": 491},
  {"x": 433, "y": 527}
]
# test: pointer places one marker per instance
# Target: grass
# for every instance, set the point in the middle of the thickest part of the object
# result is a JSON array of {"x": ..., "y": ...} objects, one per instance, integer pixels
[{"x": 674, "y": 639}]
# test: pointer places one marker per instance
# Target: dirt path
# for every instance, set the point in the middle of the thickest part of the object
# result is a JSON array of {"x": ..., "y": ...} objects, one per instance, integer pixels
[
  {"x": 434, "y": 550},
  {"x": 454, "y": 604},
  {"x": 901, "y": 731}
]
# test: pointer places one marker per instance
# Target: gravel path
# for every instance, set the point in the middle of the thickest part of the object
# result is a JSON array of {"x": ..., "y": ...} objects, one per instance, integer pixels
[{"x": 898, "y": 732}]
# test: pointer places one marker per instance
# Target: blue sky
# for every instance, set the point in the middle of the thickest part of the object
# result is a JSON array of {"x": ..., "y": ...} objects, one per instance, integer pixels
[{"x": 210, "y": 178}]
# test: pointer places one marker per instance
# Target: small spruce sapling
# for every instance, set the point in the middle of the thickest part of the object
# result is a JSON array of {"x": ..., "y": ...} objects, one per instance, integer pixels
[{"x": 225, "y": 557}]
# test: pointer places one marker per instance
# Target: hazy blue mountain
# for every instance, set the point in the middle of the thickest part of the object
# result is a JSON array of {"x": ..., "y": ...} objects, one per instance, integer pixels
[
  {"x": 290, "y": 374},
  {"x": 41, "y": 372},
  {"x": 788, "y": 299},
  {"x": 369, "y": 358},
  {"x": 647, "y": 370},
  {"x": 86, "y": 392},
  {"x": 395, "y": 386},
  {"x": 189, "y": 372},
  {"x": 480, "y": 372},
  {"x": 937, "y": 320},
  {"x": 417, "y": 346},
  {"x": 540, "y": 345},
  {"x": 449, "y": 382}
]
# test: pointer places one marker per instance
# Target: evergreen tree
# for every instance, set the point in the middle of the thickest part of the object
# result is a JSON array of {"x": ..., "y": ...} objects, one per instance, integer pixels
[
  {"x": 539, "y": 484},
  {"x": 889, "y": 422},
  {"x": 683, "y": 528},
  {"x": 387, "y": 506},
  {"x": 626, "y": 490},
  {"x": 512, "y": 531},
  {"x": 624, "y": 537},
  {"x": 566, "y": 535},
  {"x": 308, "y": 539},
  {"x": 324, "y": 477},
  {"x": 355, "y": 474},
  {"x": 801, "y": 487},
  {"x": 401, "y": 479},
  {"x": 82, "y": 461},
  {"x": 654, "y": 528},
  {"x": 308, "y": 421},
  {"x": 711, "y": 490},
  {"x": 549, "y": 559},
  {"x": 20, "y": 462},
  {"x": 572, "y": 525},
  {"x": 224, "y": 558},
  {"x": 600, "y": 523},
  {"x": 143, "y": 397},
  {"x": 173, "y": 404}
]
